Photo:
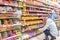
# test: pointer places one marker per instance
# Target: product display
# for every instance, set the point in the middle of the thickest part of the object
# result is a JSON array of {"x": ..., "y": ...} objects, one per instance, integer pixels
[
  {"x": 33, "y": 16},
  {"x": 22, "y": 19},
  {"x": 10, "y": 14}
]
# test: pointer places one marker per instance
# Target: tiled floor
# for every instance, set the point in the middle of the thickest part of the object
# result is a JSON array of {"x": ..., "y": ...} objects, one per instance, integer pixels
[
  {"x": 58, "y": 38},
  {"x": 42, "y": 36}
]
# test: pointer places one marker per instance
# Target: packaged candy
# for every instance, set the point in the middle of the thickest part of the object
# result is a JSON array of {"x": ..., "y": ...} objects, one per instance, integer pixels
[
  {"x": 20, "y": 4},
  {"x": 31, "y": 32},
  {"x": 4, "y": 35},
  {"x": 7, "y": 22}
]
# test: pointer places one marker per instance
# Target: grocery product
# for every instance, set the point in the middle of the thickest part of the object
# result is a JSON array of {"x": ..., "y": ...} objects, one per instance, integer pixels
[
  {"x": 20, "y": 4},
  {"x": 18, "y": 33},
  {"x": 7, "y": 22},
  {"x": 31, "y": 32},
  {"x": 6, "y": 1},
  {"x": 0, "y": 36},
  {"x": 4, "y": 35},
  {"x": 9, "y": 11}
]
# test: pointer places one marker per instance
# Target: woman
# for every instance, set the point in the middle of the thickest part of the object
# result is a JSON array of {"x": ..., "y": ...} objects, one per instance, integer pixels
[{"x": 50, "y": 29}]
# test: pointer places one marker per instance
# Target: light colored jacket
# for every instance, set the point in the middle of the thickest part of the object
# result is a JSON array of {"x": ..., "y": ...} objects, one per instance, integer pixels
[{"x": 50, "y": 25}]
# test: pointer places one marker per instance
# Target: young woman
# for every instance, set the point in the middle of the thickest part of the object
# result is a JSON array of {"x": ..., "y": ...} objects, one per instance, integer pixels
[{"x": 50, "y": 29}]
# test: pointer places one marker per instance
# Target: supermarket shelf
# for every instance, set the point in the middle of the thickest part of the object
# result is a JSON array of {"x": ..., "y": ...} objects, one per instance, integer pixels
[
  {"x": 50, "y": 6},
  {"x": 20, "y": 0},
  {"x": 8, "y": 18},
  {"x": 33, "y": 14},
  {"x": 28, "y": 3},
  {"x": 42, "y": 2},
  {"x": 46, "y": 9},
  {"x": 32, "y": 24},
  {"x": 8, "y": 30},
  {"x": 37, "y": 11},
  {"x": 5, "y": 26},
  {"x": 6, "y": 13},
  {"x": 16, "y": 24},
  {"x": 11, "y": 5},
  {"x": 26, "y": 30},
  {"x": 12, "y": 37},
  {"x": 33, "y": 19},
  {"x": 33, "y": 35},
  {"x": 39, "y": 8},
  {"x": 34, "y": 9},
  {"x": 10, "y": 25},
  {"x": 9, "y": 10}
]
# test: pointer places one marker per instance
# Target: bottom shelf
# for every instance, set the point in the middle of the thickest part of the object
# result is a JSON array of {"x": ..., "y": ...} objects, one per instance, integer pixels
[
  {"x": 32, "y": 36},
  {"x": 15, "y": 37},
  {"x": 11, "y": 35}
]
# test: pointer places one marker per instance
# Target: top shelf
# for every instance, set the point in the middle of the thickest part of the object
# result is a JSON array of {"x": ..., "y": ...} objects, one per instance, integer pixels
[
  {"x": 20, "y": 0},
  {"x": 47, "y": 9},
  {"x": 10, "y": 5},
  {"x": 43, "y": 4},
  {"x": 53, "y": 6},
  {"x": 29, "y": 3}
]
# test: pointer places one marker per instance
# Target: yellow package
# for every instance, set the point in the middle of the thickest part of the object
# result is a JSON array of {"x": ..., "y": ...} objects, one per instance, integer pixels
[
  {"x": 3, "y": 28},
  {"x": 20, "y": 3},
  {"x": 25, "y": 23},
  {"x": 33, "y": 26},
  {"x": 3, "y": 17},
  {"x": 30, "y": 27},
  {"x": 54, "y": 0},
  {"x": 29, "y": 17},
  {"x": 4, "y": 11},
  {"x": 24, "y": 3},
  {"x": 24, "y": 12},
  {"x": 24, "y": 8},
  {"x": 32, "y": 22}
]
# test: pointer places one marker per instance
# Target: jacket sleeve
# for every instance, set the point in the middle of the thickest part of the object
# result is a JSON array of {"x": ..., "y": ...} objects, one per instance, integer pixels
[{"x": 48, "y": 22}]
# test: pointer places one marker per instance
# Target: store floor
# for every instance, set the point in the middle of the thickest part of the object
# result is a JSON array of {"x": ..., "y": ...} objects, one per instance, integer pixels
[{"x": 42, "y": 36}]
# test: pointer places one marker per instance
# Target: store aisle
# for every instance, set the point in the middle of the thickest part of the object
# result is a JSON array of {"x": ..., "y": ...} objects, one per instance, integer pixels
[
  {"x": 58, "y": 38},
  {"x": 39, "y": 37},
  {"x": 42, "y": 36}
]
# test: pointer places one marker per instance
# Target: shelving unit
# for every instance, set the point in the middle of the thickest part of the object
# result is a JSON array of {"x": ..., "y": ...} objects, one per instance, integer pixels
[
  {"x": 58, "y": 19},
  {"x": 22, "y": 19},
  {"x": 34, "y": 14},
  {"x": 33, "y": 18},
  {"x": 10, "y": 15}
]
